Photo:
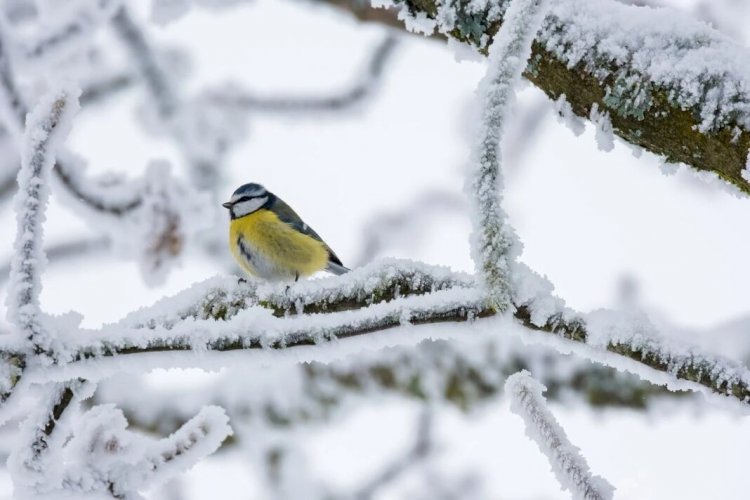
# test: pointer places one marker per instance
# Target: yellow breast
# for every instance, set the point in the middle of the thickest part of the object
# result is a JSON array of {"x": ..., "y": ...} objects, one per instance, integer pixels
[{"x": 274, "y": 250}]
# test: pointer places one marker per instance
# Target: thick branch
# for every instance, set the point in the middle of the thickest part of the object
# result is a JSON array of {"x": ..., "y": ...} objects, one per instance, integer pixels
[
  {"x": 358, "y": 315},
  {"x": 705, "y": 128},
  {"x": 221, "y": 315}
]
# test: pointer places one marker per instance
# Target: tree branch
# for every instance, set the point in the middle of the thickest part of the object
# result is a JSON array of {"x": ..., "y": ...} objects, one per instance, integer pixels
[
  {"x": 568, "y": 464},
  {"x": 705, "y": 127},
  {"x": 46, "y": 126},
  {"x": 246, "y": 318},
  {"x": 494, "y": 243},
  {"x": 279, "y": 104}
]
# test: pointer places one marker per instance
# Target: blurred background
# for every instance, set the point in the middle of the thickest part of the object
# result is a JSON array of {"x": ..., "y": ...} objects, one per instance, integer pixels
[{"x": 365, "y": 131}]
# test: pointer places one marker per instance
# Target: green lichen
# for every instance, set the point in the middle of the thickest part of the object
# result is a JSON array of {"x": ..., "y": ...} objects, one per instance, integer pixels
[{"x": 629, "y": 97}]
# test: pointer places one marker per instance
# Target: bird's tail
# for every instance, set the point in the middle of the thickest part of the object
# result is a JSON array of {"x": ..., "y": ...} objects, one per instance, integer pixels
[{"x": 336, "y": 269}]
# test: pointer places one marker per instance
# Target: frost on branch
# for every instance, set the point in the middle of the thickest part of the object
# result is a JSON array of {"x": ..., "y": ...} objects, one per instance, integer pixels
[
  {"x": 222, "y": 315},
  {"x": 35, "y": 465},
  {"x": 387, "y": 280},
  {"x": 494, "y": 245},
  {"x": 652, "y": 69},
  {"x": 46, "y": 128},
  {"x": 566, "y": 116},
  {"x": 604, "y": 138},
  {"x": 95, "y": 453},
  {"x": 150, "y": 219},
  {"x": 102, "y": 455},
  {"x": 570, "y": 468}
]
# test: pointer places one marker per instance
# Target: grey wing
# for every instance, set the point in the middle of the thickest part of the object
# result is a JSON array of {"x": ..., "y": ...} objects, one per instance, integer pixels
[{"x": 289, "y": 216}]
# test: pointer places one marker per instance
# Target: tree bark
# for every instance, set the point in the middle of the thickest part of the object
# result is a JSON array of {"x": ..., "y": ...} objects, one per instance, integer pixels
[{"x": 665, "y": 129}]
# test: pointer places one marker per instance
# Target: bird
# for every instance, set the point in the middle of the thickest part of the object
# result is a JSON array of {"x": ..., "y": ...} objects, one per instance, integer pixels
[{"x": 270, "y": 241}]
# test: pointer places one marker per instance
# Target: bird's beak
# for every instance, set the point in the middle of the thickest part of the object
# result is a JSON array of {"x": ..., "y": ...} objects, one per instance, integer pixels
[{"x": 227, "y": 204}]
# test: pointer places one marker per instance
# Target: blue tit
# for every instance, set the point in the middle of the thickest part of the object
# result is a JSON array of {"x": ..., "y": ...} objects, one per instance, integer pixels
[{"x": 270, "y": 241}]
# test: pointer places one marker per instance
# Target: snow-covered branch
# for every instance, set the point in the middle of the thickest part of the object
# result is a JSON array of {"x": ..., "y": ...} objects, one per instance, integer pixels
[
  {"x": 13, "y": 109},
  {"x": 466, "y": 374},
  {"x": 32, "y": 462},
  {"x": 650, "y": 69},
  {"x": 570, "y": 468},
  {"x": 494, "y": 244},
  {"x": 46, "y": 127},
  {"x": 96, "y": 454},
  {"x": 220, "y": 315}
]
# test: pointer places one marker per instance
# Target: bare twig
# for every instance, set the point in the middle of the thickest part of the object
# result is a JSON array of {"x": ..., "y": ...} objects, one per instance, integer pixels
[
  {"x": 99, "y": 91},
  {"x": 342, "y": 100},
  {"x": 156, "y": 81},
  {"x": 418, "y": 452}
]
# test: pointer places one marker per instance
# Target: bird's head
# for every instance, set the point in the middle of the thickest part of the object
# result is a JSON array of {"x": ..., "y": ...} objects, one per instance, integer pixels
[{"x": 247, "y": 199}]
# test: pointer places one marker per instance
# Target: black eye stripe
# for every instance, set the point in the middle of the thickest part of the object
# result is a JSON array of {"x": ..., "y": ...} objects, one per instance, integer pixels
[{"x": 247, "y": 198}]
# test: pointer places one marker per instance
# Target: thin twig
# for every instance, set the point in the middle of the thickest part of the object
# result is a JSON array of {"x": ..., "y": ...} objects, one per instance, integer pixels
[{"x": 366, "y": 85}]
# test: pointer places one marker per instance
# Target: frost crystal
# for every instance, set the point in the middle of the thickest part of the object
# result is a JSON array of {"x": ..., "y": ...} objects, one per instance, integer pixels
[
  {"x": 570, "y": 468},
  {"x": 46, "y": 127},
  {"x": 566, "y": 116},
  {"x": 746, "y": 171},
  {"x": 494, "y": 244},
  {"x": 605, "y": 138}
]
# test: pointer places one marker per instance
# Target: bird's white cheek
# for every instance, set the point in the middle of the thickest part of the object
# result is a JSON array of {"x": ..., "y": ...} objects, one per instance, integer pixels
[{"x": 247, "y": 207}]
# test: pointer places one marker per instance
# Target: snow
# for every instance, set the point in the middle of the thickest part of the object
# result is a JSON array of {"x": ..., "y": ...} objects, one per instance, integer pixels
[
  {"x": 96, "y": 453},
  {"x": 364, "y": 284},
  {"x": 532, "y": 290},
  {"x": 418, "y": 23},
  {"x": 567, "y": 463},
  {"x": 697, "y": 66},
  {"x": 650, "y": 49}
]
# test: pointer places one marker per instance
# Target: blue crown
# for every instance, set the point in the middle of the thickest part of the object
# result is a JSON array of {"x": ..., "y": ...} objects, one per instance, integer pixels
[{"x": 251, "y": 190}]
